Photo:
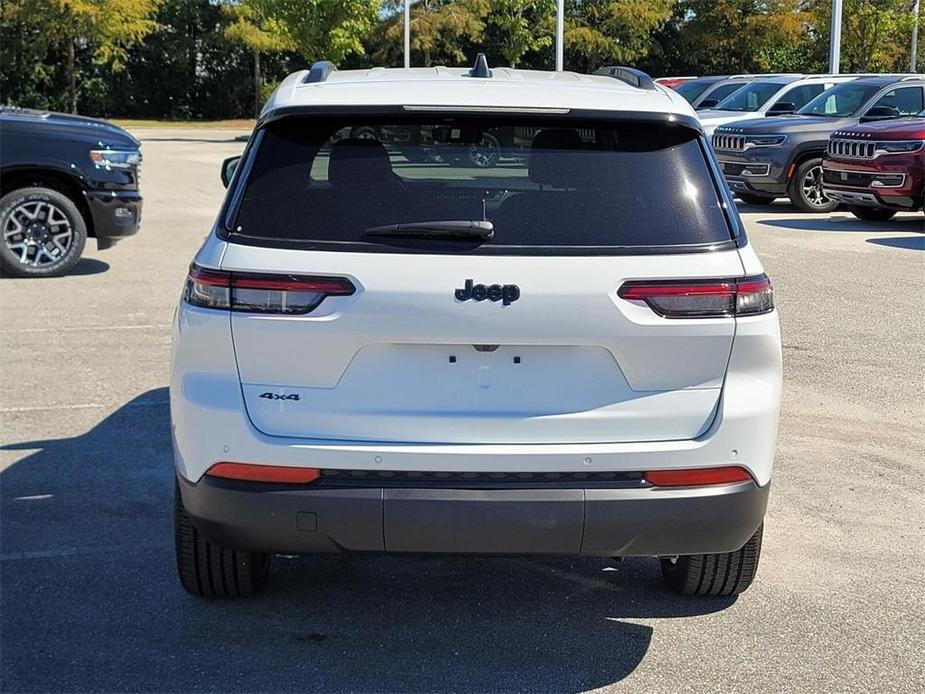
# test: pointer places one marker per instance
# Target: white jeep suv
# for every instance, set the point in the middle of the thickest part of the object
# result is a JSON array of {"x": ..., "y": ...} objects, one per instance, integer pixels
[{"x": 384, "y": 347}]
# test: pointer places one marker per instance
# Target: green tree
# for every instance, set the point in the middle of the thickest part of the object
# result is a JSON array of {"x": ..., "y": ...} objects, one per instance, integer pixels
[
  {"x": 315, "y": 29},
  {"x": 106, "y": 27},
  {"x": 522, "y": 26},
  {"x": 612, "y": 31},
  {"x": 876, "y": 34},
  {"x": 723, "y": 36},
  {"x": 441, "y": 31}
]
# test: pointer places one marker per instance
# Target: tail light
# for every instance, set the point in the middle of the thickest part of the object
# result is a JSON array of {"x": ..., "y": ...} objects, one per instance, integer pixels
[
  {"x": 697, "y": 476},
  {"x": 703, "y": 298},
  {"x": 261, "y": 293}
]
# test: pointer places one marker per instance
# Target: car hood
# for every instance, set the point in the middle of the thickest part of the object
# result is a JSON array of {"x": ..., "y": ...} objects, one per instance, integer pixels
[
  {"x": 710, "y": 119},
  {"x": 899, "y": 129},
  {"x": 788, "y": 124},
  {"x": 106, "y": 134}
]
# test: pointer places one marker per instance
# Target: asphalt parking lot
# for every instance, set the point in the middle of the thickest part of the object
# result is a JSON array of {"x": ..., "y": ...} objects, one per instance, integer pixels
[{"x": 90, "y": 600}]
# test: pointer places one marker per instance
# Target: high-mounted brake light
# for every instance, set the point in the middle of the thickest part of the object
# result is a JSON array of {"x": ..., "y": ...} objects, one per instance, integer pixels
[
  {"x": 697, "y": 476},
  {"x": 261, "y": 293},
  {"x": 703, "y": 298},
  {"x": 264, "y": 473}
]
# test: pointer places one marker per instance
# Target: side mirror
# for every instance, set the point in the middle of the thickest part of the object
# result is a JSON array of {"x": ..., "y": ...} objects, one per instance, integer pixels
[
  {"x": 879, "y": 113},
  {"x": 707, "y": 103},
  {"x": 229, "y": 166},
  {"x": 781, "y": 108}
]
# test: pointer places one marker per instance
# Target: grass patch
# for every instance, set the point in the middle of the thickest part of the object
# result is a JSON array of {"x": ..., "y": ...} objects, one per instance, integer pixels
[{"x": 234, "y": 124}]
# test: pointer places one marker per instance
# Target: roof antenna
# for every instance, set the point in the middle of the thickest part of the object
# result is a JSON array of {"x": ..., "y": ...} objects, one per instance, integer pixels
[{"x": 480, "y": 69}]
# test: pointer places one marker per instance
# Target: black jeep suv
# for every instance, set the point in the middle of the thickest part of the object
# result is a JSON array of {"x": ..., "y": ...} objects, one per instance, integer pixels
[
  {"x": 63, "y": 178},
  {"x": 767, "y": 158}
]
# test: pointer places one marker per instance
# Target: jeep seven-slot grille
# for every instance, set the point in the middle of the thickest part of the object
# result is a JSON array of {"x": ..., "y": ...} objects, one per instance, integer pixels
[
  {"x": 734, "y": 143},
  {"x": 852, "y": 149}
]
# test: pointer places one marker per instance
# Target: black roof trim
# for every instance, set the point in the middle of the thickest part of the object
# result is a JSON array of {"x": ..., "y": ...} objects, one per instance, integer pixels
[{"x": 629, "y": 75}]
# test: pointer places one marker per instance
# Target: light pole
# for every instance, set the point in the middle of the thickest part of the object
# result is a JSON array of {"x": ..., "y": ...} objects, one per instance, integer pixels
[
  {"x": 915, "y": 36},
  {"x": 835, "y": 38},
  {"x": 407, "y": 10},
  {"x": 560, "y": 35}
]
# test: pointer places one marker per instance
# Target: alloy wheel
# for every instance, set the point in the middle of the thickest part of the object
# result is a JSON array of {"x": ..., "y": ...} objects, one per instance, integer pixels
[
  {"x": 39, "y": 232},
  {"x": 812, "y": 188}
]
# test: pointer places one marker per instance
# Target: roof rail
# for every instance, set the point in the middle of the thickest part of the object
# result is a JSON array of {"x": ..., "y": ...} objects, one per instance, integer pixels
[
  {"x": 319, "y": 72},
  {"x": 480, "y": 69},
  {"x": 631, "y": 76}
]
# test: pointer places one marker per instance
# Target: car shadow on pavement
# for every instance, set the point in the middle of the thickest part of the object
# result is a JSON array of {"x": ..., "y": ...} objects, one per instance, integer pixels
[
  {"x": 911, "y": 223},
  {"x": 914, "y": 243},
  {"x": 91, "y": 602}
]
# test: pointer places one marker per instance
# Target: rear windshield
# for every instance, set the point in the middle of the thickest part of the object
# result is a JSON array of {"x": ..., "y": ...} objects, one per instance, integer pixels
[{"x": 328, "y": 183}]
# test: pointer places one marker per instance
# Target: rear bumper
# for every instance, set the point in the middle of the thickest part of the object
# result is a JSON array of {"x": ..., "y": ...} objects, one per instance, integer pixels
[{"x": 596, "y": 521}]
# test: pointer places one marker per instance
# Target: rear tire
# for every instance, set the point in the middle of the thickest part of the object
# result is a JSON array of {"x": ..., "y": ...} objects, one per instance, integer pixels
[
  {"x": 750, "y": 199},
  {"x": 871, "y": 214},
  {"x": 805, "y": 189},
  {"x": 210, "y": 571},
  {"x": 728, "y": 573}
]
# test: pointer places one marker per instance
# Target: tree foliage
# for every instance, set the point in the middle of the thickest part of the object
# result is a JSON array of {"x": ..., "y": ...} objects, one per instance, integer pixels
[
  {"x": 107, "y": 27},
  {"x": 211, "y": 58},
  {"x": 598, "y": 32}
]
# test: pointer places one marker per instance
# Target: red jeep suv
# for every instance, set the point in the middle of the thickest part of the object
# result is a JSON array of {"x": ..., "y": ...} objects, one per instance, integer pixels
[{"x": 877, "y": 169}]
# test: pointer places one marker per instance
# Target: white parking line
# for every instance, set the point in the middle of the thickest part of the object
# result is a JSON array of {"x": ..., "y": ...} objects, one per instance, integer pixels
[
  {"x": 78, "y": 551},
  {"x": 83, "y": 328},
  {"x": 83, "y": 406}
]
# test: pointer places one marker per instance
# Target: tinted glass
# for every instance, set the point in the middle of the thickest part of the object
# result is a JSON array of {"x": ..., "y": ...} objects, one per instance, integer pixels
[
  {"x": 691, "y": 89},
  {"x": 800, "y": 96},
  {"x": 725, "y": 90},
  {"x": 325, "y": 183},
  {"x": 840, "y": 101},
  {"x": 751, "y": 97},
  {"x": 905, "y": 102}
]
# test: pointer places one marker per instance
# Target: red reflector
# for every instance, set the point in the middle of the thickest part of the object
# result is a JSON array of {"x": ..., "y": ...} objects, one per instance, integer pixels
[
  {"x": 697, "y": 477},
  {"x": 264, "y": 473}
]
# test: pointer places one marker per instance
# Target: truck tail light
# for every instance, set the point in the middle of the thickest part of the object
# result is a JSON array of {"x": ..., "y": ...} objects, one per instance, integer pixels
[
  {"x": 703, "y": 298},
  {"x": 697, "y": 476},
  {"x": 261, "y": 293}
]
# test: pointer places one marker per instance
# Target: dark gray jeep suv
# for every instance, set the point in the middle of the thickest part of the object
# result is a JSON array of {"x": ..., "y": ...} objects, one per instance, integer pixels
[{"x": 768, "y": 158}]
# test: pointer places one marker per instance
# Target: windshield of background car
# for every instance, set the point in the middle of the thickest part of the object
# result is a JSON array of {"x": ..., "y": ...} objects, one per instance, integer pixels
[
  {"x": 751, "y": 97},
  {"x": 546, "y": 186},
  {"x": 691, "y": 89},
  {"x": 840, "y": 101}
]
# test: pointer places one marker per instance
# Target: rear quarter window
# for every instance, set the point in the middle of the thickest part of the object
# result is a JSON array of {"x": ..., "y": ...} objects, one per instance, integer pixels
[{"x": 547, "y": 187}]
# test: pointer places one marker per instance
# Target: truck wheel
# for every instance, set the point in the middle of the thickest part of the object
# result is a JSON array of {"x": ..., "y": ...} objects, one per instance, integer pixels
[
  {"x": 43, "y": 233},
  {"x": 806, "y": 191},
  {"x": 210, "y": 571},
  {"x": 714, "y": 574},
  {"x": 871, "y": 214},
  {"x": 754, "y": 199}
]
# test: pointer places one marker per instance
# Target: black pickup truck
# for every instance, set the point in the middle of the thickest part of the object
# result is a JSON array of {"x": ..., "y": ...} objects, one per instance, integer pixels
[{"x": 63, "y": 179}]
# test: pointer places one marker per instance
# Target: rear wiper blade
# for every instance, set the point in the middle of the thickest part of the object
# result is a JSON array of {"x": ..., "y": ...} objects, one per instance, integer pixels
[{"x": 450, "y": 228}]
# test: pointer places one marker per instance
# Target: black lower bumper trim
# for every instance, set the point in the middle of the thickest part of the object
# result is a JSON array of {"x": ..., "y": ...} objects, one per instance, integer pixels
[{"x": 592, "y": 521}]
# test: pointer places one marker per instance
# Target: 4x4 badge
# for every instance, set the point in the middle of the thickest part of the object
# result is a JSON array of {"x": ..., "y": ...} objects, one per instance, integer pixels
[{"x": 505, "y": 293}]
